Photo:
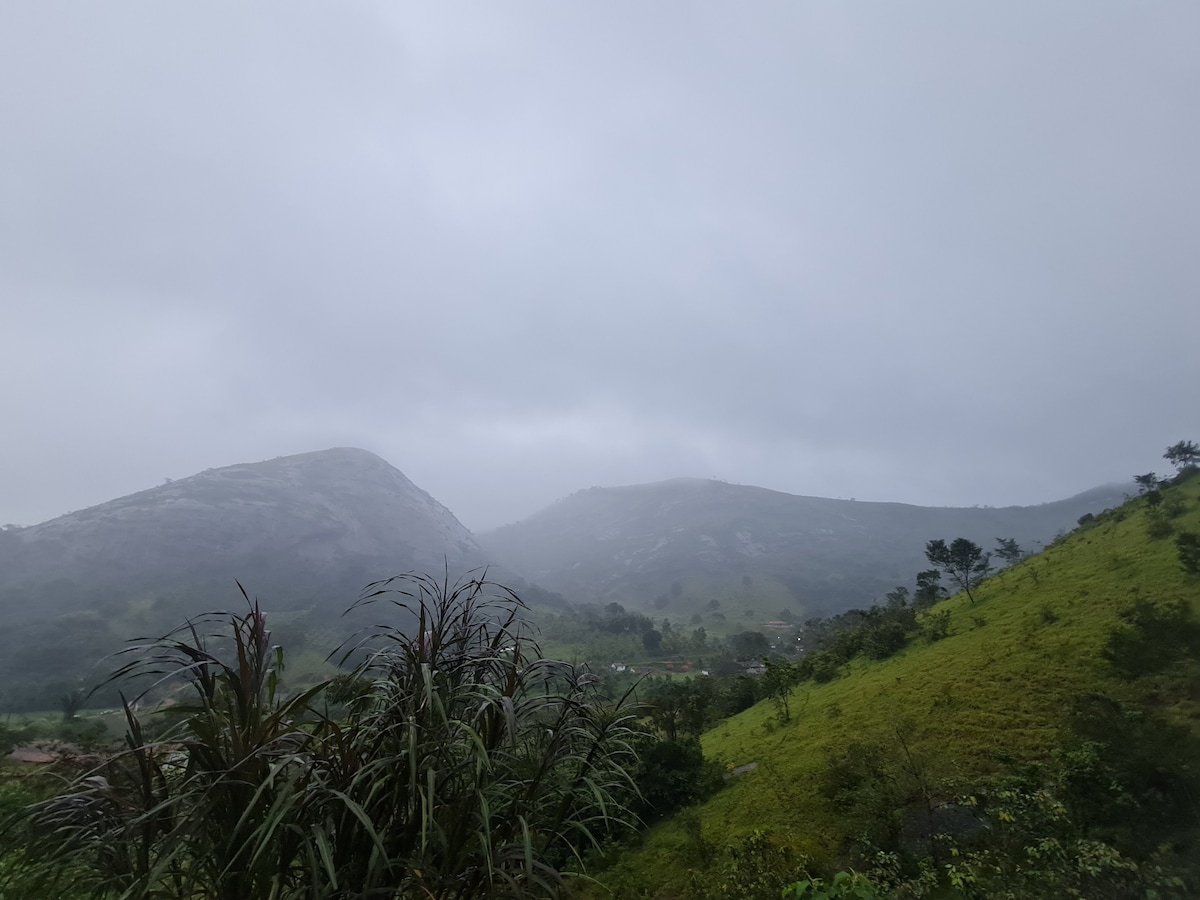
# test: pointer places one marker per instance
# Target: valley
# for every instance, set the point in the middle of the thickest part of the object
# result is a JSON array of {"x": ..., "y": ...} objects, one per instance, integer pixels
[{"x": 803, "y": 702}]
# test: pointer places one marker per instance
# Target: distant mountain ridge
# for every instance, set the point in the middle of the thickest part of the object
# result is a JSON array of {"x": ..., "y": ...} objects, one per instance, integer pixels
[
  {"x": 307, "y": 532},
  {"x": 292, "y": 521},
  {"x": 630, "y": 544},
  {"x": 339, "y": 517}
]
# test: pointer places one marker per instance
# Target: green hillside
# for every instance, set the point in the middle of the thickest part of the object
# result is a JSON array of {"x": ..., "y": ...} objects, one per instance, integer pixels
[{"x": 945, "y": 718}]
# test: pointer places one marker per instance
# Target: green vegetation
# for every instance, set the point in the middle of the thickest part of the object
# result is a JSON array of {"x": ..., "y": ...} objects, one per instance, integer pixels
[
  {"x": 1183, "y": 455},
  {"x": 1039, "y": 741},
  {"x": 964, "y": 561},
  {"x": 462, "y": 764},
  {"x": 1037, "y": 735}
]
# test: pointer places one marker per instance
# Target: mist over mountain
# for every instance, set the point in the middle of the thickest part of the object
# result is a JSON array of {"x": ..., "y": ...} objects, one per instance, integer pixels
[
  {"x": 302, "y": 533},
  {"x": 631, "y": 544},
  {"x": 305, "y": 533},
  {"x": 293, "y": 522}
]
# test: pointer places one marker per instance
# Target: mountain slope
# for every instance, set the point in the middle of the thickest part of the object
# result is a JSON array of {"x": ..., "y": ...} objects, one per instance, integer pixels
[
  {"x": 989, "y": 698},
  {"x": 289, "y": 520},
  {"x": 304, "y": 533},
  {"x": 630, "y": 544}
]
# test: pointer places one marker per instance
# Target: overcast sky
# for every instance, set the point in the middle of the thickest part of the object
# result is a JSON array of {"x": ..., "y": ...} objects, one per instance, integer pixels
[{"x": 940, "y": 253}]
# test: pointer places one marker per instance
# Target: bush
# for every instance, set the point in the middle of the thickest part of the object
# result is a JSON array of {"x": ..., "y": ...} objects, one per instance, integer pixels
[
  {"x": 754, "y": 868},
  {"x": 936, "y": 626},
  {"x": 1127, "y": 774},
  {"x": 1151, "y": 638},
  {"x": 884, "y": 640},
  {"x": 1187, "y": 545},
  {"x": 1158, "y": 526},
  {"x": 672, "y": 774},
  {"x": 848, "y": 885},
  {"x": 823, "y": 665}
]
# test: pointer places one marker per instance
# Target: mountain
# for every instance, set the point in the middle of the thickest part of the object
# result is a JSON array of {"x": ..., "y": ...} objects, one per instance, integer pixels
[
  {"x": 708, "y": 539},
  {"x": 293, "y": 521},
  {"x": 304, "y": 533}
]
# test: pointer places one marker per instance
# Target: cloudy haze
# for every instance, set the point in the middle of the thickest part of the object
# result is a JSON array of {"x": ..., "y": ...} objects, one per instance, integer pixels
[{"x": 939, "y": 253}]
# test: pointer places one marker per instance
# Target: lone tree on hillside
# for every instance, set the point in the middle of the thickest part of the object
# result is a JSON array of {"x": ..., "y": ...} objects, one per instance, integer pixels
[
  {"x": 1009, "y": 550},
  {"x": 964, "y": 561},
  {"x": 781, "y": 676},
  {"x": 1146, "y": 483},
  {"x": 1183, "y": 455}
]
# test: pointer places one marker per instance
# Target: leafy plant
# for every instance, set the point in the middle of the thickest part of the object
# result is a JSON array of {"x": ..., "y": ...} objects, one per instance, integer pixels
[
  {"x": 1187, "y": 544},
  {"x": 750, "y": 869},
  {"x": 842, "y": 885},
  {"x": 1036, "y": 850},
  {"x": 672, "y": 774},
  {"x": 466, "y": 765},
  {"x": 1151, "y": 637},
  {"x": 936, "y": 626}
]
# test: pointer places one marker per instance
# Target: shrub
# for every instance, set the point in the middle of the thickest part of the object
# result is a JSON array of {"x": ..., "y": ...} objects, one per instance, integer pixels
[
  {"x": 884, "y": 640},
  {"x": 754, "y": 868},
  {"x": 1158, "y": 526},
  {"x": 1151, "y": 638},
  {"x": 672, "y": 774},
  {"x": 936, "y": 625},
  {"x": 1126, "y": 773},
  {"x": 1187, "y": 545},
  {"x": 472, "y": 767},
  {"x": 848, "y": 885},
  {"x": 823, "y": 665}
]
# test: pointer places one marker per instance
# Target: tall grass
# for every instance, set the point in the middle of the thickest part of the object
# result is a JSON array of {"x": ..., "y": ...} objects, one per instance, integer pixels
[{"x": 463, "y": 765}]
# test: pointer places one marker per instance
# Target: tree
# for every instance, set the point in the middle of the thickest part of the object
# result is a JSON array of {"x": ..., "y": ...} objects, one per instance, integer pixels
[
  {"x": 1008, "y": 550},
  {"x": 749, "y": 643},
  {"x": 778, "y": 681},
  {"x": 964, "y": 561},
  {"x": 1183, "y": 455},
  {"x": 929, "y": 588},
  {"x": 471, "y": 767},
  {"x": 71, "y": 702},
  {"x": 672, "y": 774},
  {"x": 885, "y": 638},
  {"x": 652, "y": 640},
  {"x": 1147, "y": 482}
]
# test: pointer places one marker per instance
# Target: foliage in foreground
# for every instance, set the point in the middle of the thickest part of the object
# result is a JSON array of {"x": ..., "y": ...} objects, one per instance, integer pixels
[{"x": 463, "y": 765}]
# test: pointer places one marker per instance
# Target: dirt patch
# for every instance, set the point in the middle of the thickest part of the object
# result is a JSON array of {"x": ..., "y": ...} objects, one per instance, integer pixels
[
  {"x": 51, "y": 752},
  {"x": 32, "y": 755}
]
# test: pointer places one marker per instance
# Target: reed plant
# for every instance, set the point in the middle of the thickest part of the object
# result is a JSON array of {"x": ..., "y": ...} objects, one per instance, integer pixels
[{"x": 463, "y": 765}]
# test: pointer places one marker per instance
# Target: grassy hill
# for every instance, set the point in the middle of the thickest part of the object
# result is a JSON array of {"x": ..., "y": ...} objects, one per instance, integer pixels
[{"x": 991, "y": 698}]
